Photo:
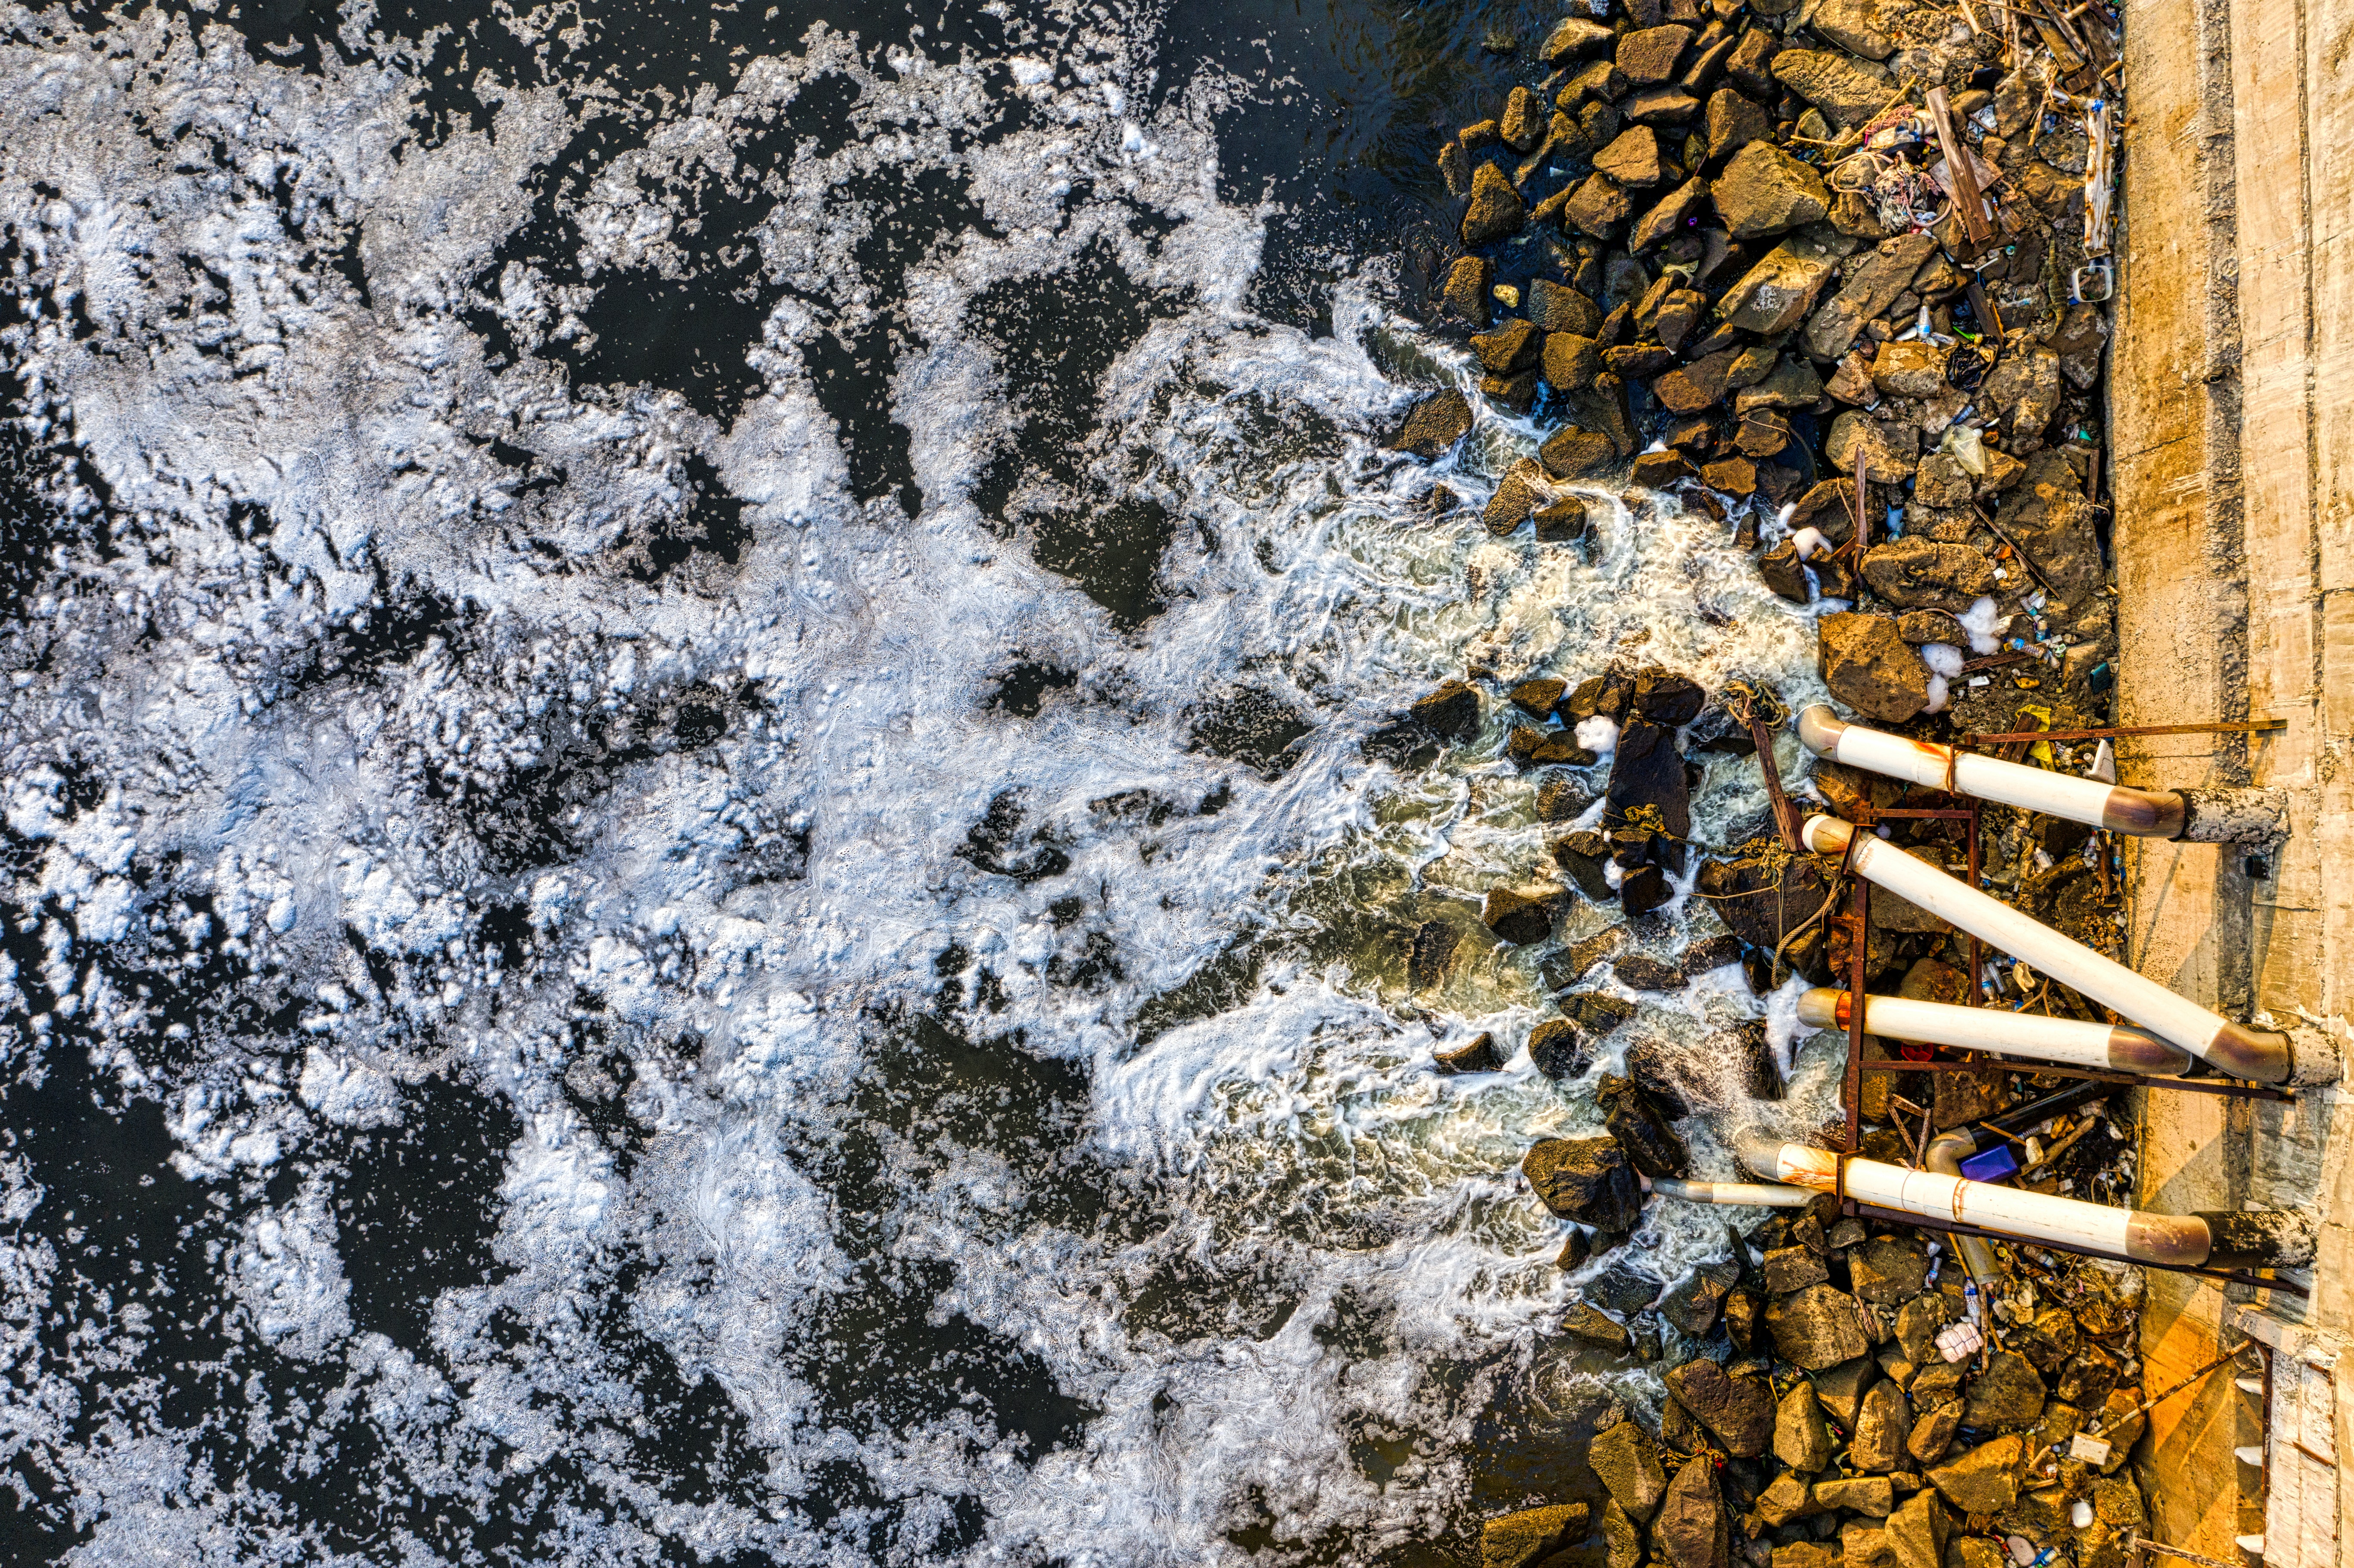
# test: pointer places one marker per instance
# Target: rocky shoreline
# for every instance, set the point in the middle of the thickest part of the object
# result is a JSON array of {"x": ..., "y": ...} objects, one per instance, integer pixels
[{"x": 1832, "y": 272}]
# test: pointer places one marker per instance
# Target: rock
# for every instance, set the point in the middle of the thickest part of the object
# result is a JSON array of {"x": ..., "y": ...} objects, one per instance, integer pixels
[
  {"x": 1763, "y": 190},
  {"x": 1511, "y": 347},
  {"x": 1941, "y": 480},
  {"x": 1762, "y": 893},
  {"x": 1581, "y": 856},
  {"x": 1776, "y": 294},
  {"x": 1818, "y": 1327},
  {"x": 1582, "y": 955},
  {"x": 1648, "y": 771},
  {"x": 2117, "y": 1503},
  {"x": 1889, "y": 448},
  {"x": 1574, "y": 37},
  {"x": 1563, "y": 521},
  {"x": 1514, "y": 499},
  {"x": 1846, "y": 92},
  {"x": 1917, "y": 1531},
  {"x": 1873, "y": 284},
  {"x": 1918, "y": 1323},
  {"x": 1734, "y": 123},
  {"x": 1785, "y": 574},
  {"x": 1870, "y": 668},
  {"x": 1623, "y": 1459},
  {"x": 2039, "y": 1515},
  {"x": 1743, "y": 1314},
  {"x": 2048, "y": 1340},
  {"x": 1664, "y": 106},
  {"x": 1789, "y": 1268},
  {"x": 1644, "y": 889},
  {"x": 1622, "y": 1542},
  {"x": 1455, "y": 172},
  {"x": 1842, "y": 1388},
  {"x": 1480, "y": 1056},
  {"x": 2022, "y": 390},
  {"x": 1691, "y": 1531},
  {"x": 2078, "y": 338},
  {"x": 1524, "y": 122},
  {"x": 1595, "y": 1014},
  {"x": 1739, "y": 1410},
  {"x": 1587, "y": 1179},
  {"x": 1599, "y": 80},
  {"x": 1571, "y": 362},
  {"x": 1801, "y": 1439},
  {"x": 1557, "y": 1046},
  {"x": 1522, "y": 1538},
  {"x": 1761, "y": 434},
  {"x": 1520, "y": 915},
  {"x": 1934, "y": 1432},
  {"x": 1650, "y": 1143},
  {"x": 1695, "y": 1302},
  {"x": 1849, "y": 25},
  {"x": 1985, "y": 1480},
  {"x": 1886, "y": 1270},
  {"x": 1633, "y": 158},
  {"x": 1572, "y": 453},
  {"x": 1709, "y": 954},
  {"x": 1452, "y": 710},
  {"x": 1431, "y": 956},
  {"x": 1650, "y": 54},
  {"x": 1870, "y": 1495},
  {"x": 1882, "y": 1427},
  {"x": 1530, "y": 748},
  {"x": 1597, "y": 207},
  {"x": 1536, "y": 697},
  {"x": 1792, "y": 384},
  {"x": 1731, "y": 476},
  {"x": 1517, "y": 392},
  {"x": 1689, "y": 388},
  {"x": 1976, "y": 1551},
  {"x": 1556, "y": 307},
  {"x": 1639, "y": 359},
  {"x": 1788, "y": 1498},
  {"x": 1864, "y": 1544},
  {"x": 2005, "y": 1397},
  {"x": 1496, "y": 211},
  {"x": 1805, "y": 1554},
  {"x": 2048, "y": 516},
  {"x": 1596, "y": 1326},
  {"x": 1435, "y": 424},
  {"x": 1674, "y": 212},
  {"x": 1909, "y": 369},
  {"x": 1642, "y": 972},
  {"x": 1466, "y": 294},
  {"x": 2088, "y": 1377},
  {"x": 1656, "y": 471}
]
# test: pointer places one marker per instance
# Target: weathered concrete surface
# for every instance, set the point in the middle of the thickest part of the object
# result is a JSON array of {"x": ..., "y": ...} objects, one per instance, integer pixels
[{"x": 2234, "y": 534}]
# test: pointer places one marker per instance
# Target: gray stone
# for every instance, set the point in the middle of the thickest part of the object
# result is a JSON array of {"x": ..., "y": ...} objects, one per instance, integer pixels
[
  {"x": 1873, "y": 284},
  {"x": 2022, "y": 390},
  {"x": 1890, "y": 450},
  {"x": 1776, "y": 294}
]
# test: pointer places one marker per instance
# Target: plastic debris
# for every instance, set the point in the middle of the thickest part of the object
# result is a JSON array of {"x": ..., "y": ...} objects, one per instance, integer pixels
[{"x": 1960, "y": 1342}]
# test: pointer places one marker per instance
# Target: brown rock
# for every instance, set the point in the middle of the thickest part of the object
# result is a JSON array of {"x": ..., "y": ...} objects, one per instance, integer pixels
[
  {"x": 1599, "y": 80},
  {"x": 1658, "y": 106},
  {"x": 1934, "y": 1432},
  {"x": 1496, "y": 211},
  {"x": 1817, "y": 1328},
  {"x": 1801, "y": 1439},
  {"x": 1750, "y": 64},
  {"x": 1889, "y": 448},
  {"x": 1452, "y": 709},
  {"x": 1633, "y": 158},
  {"x": 1574, "y": 37},
  {"x": 1515, "y": 497},
  {"x": 1846, "y": 92},
  {"x": 1524, "y": 120},
  {"x": 1849, "y": 25},
  {"x": 1627, "y": 1467},
  {"x": 2078, "y": 338},
  {"x": 1656, "y": 471},
  {"x": 1774, "y": 295},
  {"x": 1670, "y": 217},
  {"x": 2022, "y": 390},
  {"x": 1572, "y": 453},
  {"x": 1870, "y": 668},
  {"x": 1689, "y": 388},
  {"x": 1871, "y": 1495},
  {"x": 1556, "y": 307},
  {"x": 1692, "y": 1529},
  {"x": 1734, "y": 123},
  {"x": 1522, "y": 1538},
  {"x": 1598, "y": 206},
  {"x": 1732, "y": 476},
  {"x": 1622, "y": 1542},
  {"x": 1435, "y": 424},
  {"x": 1864, "y": 1545},
  {"x": 1571, "y": 362},
  {"x": 1480, "y": 1056},
  {"x": 1880, "y": 1429},
  {"x": 1983, "y": 1480},
  {"x": 1941, "y": 480},
  {"x": 1650, "y": 54},
  {"x": 1805, "y": 1554},
  {"x": 1917, "y": 1531},
  {"x": 1739, "y": 1410},
  {"x": 1918, "y": 574},
  {"x": 2005, "y": 1397},
  {"x": 1466, "y": 294},
  {"x": 1872, "y": 285},
  {"x": 1585, "y": 1179},
  {"x": 1792, "y": 384},
  {"x": 1511, "y": 347},
  {"x": 1842, "y": 1388},
  {"x": 1763, "y": 190},
  {"x": 1909, "y": 369}
]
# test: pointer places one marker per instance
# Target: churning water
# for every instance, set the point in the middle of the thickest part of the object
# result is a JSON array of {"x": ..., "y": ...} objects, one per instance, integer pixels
[{"x": 692, "y": 873}]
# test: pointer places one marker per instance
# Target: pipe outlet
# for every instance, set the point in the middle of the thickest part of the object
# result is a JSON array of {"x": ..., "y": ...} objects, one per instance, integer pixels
[
  {"x": 2256, "y": 819},
  {"x": 2261, "y": 1055},
  {"x": 1770, "y": 1194},
  {"x": 2066, "y": 1041},
  {"x": 2144, "y": 813}
]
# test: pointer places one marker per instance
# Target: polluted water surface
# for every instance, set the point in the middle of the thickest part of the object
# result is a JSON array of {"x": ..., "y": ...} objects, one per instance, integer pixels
[{"x": 710, "y": 856}]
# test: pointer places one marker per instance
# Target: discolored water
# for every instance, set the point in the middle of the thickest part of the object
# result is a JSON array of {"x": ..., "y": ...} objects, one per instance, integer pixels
[{"x": 693, "y": 874}]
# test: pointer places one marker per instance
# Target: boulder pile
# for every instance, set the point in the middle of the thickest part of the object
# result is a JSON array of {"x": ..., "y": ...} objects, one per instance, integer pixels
[{"x": 1748, "y": 252}]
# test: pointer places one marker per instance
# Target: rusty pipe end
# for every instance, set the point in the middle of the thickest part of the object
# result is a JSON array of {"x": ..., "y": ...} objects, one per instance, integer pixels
[
  {"x": 2139, "y": 1051},
  {"x": 2315, "y": 1058},
  {"x": 1819, "y": 1008},
  {"x": 2182, "y": 1241},
  {"x": 2144, "y": 813},
  {"x": 2260, "y": 1056},
  {"x": 1828, "y": 835},
  {"x": 1819, "y": 729},
  {"x": 2255, "y": 819},
  {"x": 2259, "y": 1238}
]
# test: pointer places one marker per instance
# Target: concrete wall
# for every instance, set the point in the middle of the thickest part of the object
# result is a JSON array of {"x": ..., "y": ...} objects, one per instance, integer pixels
[{"x": 2235, "y": 537}]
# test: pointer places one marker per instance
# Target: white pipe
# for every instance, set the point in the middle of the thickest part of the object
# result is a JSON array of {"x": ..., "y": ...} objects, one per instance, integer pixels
[
  {"x": 2066, "y": 1041},
  {"x": 2259, "y": 1054},
  {"x": 1771, "y": 1195},
  {"x": 2010, "y": 1211},
  {"x": 2113, "y": 806}
]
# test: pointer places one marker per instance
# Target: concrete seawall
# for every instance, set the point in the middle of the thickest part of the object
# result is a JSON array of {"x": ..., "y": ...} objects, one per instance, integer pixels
[{"x": 2233, "y": 482}]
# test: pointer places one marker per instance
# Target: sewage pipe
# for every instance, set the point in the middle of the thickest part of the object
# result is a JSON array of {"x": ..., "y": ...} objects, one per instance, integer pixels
[
  {"x": 2252, "y": 817},
  {"x": 2277, "y": 1239},
  {"x": 1771, "y": 1195},
  {"x": 1943, "y": 1157},
  {"x": 2065, "y": 1041},
  {"x": 2265, "y": 1056}
]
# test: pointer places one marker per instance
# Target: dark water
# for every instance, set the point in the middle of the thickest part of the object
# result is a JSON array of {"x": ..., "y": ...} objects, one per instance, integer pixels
[{"x": 690, "y": 877}]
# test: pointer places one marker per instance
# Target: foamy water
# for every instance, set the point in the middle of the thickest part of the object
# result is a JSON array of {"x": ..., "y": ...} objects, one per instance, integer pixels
[{"x": 633, "y": 1037}]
